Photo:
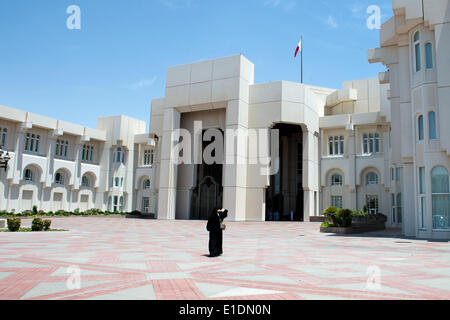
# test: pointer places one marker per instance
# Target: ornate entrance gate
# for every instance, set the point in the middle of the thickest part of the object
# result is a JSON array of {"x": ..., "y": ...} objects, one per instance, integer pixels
[{"x": 205, "y": 197}]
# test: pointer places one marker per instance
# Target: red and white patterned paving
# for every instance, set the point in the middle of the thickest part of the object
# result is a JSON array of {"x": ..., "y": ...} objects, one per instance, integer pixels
[{"x": 167, "y": 260}]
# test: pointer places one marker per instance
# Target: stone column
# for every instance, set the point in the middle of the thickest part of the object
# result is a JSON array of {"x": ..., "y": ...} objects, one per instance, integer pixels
[
  {"x": 310, "y": 173},
  {"x": 236, "y": 159},
  {"x": 168, "y": 168},
  {"x": 350, "y": 179},
  {"x": 408, "y": 131}
]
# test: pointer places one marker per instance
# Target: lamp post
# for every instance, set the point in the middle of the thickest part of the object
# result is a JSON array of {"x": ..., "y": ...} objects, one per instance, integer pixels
[{"x": 4, "y": 159}]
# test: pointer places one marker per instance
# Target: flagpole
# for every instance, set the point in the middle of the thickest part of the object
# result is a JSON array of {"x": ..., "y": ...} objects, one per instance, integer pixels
[{"x": 301, "y": 63}]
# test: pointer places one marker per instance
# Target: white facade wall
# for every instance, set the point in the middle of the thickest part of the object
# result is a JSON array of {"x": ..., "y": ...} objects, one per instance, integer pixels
[
  {"x": 61, "y": 153},
  {"x": 418, "y": 87}
]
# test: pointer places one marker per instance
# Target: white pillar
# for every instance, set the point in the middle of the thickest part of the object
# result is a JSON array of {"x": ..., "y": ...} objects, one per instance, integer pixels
[
  {"x": 235, "y": 174},
  {"x": 168, "y": 168},
  {"x": 310, "y": 173}
]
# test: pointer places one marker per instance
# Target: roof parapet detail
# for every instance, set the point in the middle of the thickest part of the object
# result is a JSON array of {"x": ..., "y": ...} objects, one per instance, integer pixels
[{"x": 343, "y": 95}]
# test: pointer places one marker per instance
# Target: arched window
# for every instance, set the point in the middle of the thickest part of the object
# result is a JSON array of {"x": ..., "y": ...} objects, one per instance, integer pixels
[
  {"x": 420, "y": 128},
  {"x": 146, "y": 184},
  {"x": 336, "y": 179},
  {"x": 440, "y": 195},
  {"x": 432, "y": 125},
  {"x": 417, "y": 51},
  {"x": 429, "y": 55},
  {"x": 59, "y": 178},
  {"x": 372, "y": 178},
  {"x": 28, "y": 175},
  {"x": 85, "y": 181}
]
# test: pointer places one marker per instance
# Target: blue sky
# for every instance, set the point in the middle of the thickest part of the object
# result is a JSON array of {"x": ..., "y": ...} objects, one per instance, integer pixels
[{"x": 117, "y": 62}]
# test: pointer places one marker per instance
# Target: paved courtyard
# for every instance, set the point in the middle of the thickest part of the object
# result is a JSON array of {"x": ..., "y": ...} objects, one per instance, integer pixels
[{"x": 145, "y": 259}]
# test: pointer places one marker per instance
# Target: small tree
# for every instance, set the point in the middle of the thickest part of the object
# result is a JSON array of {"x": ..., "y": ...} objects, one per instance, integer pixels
[
  {"x": 47, "y": 224},
  {"x": 37, "y": 224},
  {"x": 14, "y": 224}
]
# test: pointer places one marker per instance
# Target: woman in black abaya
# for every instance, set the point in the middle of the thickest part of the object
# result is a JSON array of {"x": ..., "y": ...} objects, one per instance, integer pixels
[{"x": 215, "y": 227}]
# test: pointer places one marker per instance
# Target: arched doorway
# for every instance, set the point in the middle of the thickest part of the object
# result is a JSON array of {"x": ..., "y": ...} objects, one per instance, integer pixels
[{"x": 285, "y": 196}]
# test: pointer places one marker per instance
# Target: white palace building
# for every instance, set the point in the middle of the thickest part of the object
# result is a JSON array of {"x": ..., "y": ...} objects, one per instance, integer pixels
[{"x": 381, "y": 143}]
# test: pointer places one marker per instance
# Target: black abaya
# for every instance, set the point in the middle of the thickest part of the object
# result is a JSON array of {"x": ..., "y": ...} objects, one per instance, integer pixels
[{"x": 215, "y": 234}]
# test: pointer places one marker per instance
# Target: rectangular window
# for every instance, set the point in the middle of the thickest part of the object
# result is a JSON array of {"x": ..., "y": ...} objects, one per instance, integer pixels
[
  {"x": 121, "y": 204},
  {"x": 330, "y": 144},
  {"x": 432, "y": 125},
  {"x": 32, "y": 142},
  {"x": 27, "y": 141},
  {"x": 392, "y": 174},
  {"x": 61, "y": 148},
  {"x": 393, "y": 208},
  {"x": 336, "y": 145},
  {"x": 336, "y": 201},
  {"x": 372, "y": 204},
  {"x": 371, "y": 150},
  {"x": 116, "y": 203},
  {"x": 420, "y": 128},
  {"x": 88, "y": 152},
  {"x": 399, "y": 208},
  {"x": 423, "y": 212},
  {"x": 429, "y": 55},
  {"x": 398, "y": 174},
  {"x": 418, "y": 64},
  {"x": 366, "y": 144},
  {"x": 3, "y": 132},
  {"x": 121, "y": 182},
  {"x": 148, "y": 157},
  {"x": 371, "y": 143},
  {"x": 145, "y": 205},
  {"x": 422, "y": 185},
  {"x": 116, "y": 182},
  {"x": 377, "y": 143}
]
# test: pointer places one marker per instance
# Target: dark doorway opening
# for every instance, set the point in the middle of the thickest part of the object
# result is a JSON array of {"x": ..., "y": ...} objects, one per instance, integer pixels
[
  {"x": 284, "y": 197},
  {"x": 208, "y": 191}
]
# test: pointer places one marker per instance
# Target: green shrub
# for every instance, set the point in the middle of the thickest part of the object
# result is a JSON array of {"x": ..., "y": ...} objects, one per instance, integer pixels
[
  {"x": 14, "y": 224},
  {"x": 35, "y": 210},
  {"x": 327, "y": 225},
  {"x": 47, "y": 224},
  {"x": 330, "y": 215},
  {"x": 344, "y": 217},
  {"x": 37, "y": 224},
  {"x": 330, "y": 210},
  {"x": 136, "y": 213},
  {"x": 27, "y": 213}
]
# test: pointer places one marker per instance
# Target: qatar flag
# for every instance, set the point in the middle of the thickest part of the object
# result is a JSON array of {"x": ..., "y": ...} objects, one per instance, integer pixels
[{"x": 299, "y": 48}]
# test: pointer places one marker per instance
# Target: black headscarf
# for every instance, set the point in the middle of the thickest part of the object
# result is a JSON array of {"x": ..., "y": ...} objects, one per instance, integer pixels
[{"x": 223, "y": 215}]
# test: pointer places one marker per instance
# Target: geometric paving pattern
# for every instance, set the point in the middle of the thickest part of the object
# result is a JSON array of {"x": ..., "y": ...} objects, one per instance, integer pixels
[{"x": 121, "y": 259}]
